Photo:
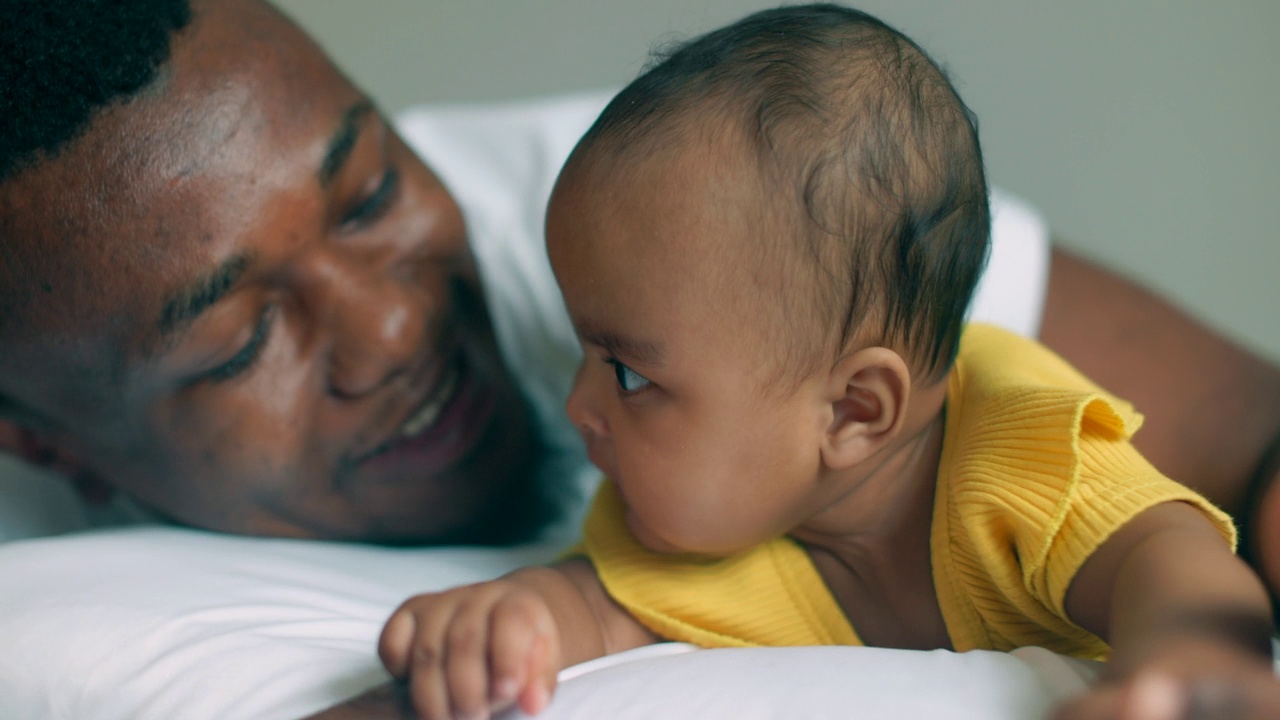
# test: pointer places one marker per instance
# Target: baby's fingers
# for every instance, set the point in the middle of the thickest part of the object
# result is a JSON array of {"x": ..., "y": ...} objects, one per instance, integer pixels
[
  {"x": 468, "y": 647},
  {"x": 428, "y": 686},
  {"x": 1148, "y": 696},
  {"x": 525, "y": 652},
  {"x": 1100, "y": 703},
  {"x": 395, "y": 644},
  {"x": 537, "y": 693},
  {"x": 1157, "y": 696},
  {"x": 1154, "y": 696}
]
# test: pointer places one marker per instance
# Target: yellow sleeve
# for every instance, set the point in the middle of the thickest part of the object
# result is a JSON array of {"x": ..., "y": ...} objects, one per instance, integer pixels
[
  {"x": 1114, "y": 484},
  {"x": 771, "y": 595},
  {"x": 1043, "y": 473}
]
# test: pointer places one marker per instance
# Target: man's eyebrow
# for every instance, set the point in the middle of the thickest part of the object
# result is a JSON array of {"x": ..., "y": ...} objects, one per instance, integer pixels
[
  {"x": 624, "y": 348},
  {"x": 342, "y": 141},
  {"x": 185, "y": 305}
]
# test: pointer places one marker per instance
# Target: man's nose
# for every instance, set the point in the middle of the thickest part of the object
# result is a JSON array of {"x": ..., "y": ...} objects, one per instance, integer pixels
[
  {"x": 375, "y": 322},
  {"x": 581, "y": 408}
]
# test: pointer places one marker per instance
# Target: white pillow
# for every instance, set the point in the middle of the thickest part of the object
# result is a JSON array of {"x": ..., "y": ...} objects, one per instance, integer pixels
[
  {"x": 672, "y": 681},
  {"x": 180, "y": 624},
  {"x": 168, "y": 623}
]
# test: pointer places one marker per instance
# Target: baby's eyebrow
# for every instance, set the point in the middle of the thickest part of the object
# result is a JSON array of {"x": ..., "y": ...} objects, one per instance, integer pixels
[{"x": 640, "y": 351}]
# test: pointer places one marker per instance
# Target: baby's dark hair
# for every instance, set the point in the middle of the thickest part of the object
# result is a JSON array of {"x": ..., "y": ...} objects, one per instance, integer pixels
[
  {"x": 63, "y": 60},
  {"x": 882, "y": 154}
]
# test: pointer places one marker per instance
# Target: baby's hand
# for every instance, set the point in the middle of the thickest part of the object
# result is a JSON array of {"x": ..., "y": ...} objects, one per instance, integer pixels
[
  {"x": 1204, "y": 679},
  {"x": 475, "y": 649}
]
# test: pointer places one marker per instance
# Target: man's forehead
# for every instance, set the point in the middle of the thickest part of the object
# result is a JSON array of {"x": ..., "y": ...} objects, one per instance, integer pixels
[
  {"x": 222, "y": 85},
  {"x": 132, "y": 206},
  {"x": 128, "y": 194}
]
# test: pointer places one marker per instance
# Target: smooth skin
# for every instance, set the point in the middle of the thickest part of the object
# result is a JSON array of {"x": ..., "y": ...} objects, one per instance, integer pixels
[{"x": 669, "y": 399}]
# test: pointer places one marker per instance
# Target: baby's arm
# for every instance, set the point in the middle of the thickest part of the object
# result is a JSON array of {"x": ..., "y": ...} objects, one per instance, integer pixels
[
  {"x": 479, "y": 647},
  {"x": 1183, "y": 616}
]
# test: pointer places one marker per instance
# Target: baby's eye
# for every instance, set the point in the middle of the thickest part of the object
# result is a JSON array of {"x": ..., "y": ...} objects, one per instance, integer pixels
[{"x": 628, "y": 380}]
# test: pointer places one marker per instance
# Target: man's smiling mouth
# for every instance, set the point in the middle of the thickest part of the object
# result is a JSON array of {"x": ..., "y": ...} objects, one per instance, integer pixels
[
  {"x": 422, "y": 419},
  {"x": 430, "y": 410},
  {"x": 447, "y": 423}
]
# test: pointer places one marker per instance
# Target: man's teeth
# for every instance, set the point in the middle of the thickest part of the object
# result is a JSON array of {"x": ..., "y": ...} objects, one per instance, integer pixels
[{"x": 429, "y": 412}]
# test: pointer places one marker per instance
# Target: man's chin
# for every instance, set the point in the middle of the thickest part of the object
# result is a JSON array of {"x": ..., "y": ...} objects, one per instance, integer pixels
[
  {"x": 527, "y": 501},
  {"x": 514, "y": 517},
  {"x": 498, "y": 496}
]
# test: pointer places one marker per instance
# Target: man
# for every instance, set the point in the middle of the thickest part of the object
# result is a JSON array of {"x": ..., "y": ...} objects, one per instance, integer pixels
[
  {"x": 230, "y": 291},
  {"x": 246, "y": 280}
]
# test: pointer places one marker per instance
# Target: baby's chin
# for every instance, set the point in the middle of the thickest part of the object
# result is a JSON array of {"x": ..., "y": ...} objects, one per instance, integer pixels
[
  {"x": 664, "y": 545},
  {"x": 646, "y": 537},
  {"x": 659, "y": 544}
]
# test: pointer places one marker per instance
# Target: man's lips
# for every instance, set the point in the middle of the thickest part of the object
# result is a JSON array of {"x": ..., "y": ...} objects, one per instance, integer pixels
[
  {"x": 442, "y": 429},
  {"x": 433, "y": 387},
  {"x": 420, "y": 417},
  {"x": 429, "y": 412}
]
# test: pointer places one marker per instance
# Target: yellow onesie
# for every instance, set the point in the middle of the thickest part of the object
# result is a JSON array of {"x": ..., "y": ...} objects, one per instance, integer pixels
[{"x": 1036, "y": 472}]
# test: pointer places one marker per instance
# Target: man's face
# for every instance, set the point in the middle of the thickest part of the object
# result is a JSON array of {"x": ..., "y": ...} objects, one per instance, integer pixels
[{"x": 254, "y": 309}]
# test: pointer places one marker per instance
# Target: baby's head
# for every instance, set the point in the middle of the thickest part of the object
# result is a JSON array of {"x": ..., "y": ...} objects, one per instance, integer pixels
[
  {"x": 763, "y": 204},
  {"x": 865, "y": 164}
]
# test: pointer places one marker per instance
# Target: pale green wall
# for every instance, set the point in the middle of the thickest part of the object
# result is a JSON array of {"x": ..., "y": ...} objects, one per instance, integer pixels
[{"x": 1146, "y": 131}]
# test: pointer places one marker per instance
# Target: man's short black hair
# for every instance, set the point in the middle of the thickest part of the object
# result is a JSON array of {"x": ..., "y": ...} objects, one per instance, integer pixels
[
  {"x": 63, "y": 60},
  {"x": 871, "y": 138}
]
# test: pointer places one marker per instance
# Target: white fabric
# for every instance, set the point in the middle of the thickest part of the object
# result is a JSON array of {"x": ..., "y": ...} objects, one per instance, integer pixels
[
  {"x": 500, "y": 163},
  {"x": 679, "y": 681},
  {"x": 171, "y": 624},
  {"x": 1011, "y": 293},
  {"x": 174, "y": 624},
  {"x": 162, "y": 623}
]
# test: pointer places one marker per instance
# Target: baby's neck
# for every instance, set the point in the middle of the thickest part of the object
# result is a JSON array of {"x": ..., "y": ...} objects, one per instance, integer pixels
[{"x": 872, "y": 546}]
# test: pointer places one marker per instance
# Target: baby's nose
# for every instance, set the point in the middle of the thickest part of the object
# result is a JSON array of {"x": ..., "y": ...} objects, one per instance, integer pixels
[{"x": 582, "y": 413}]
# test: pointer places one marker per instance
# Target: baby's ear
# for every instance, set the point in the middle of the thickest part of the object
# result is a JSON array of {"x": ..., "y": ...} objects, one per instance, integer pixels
[{"x": 869, "y": 391}]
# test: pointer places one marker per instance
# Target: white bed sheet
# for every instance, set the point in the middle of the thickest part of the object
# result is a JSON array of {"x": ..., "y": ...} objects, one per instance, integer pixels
[
  {"x": 679, "y": 681},
  {"x": 179, "y": 624},
  {"x": 169, "y": 623}
]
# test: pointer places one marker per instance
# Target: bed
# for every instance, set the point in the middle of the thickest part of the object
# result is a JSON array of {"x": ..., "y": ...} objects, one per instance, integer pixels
[{"x": 147, "y": 621}]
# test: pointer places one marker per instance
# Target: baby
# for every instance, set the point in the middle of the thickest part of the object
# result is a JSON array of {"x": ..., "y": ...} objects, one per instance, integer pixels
[{"x": 767, "y": 244}]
